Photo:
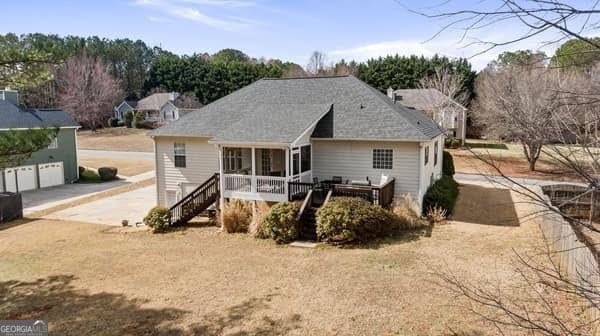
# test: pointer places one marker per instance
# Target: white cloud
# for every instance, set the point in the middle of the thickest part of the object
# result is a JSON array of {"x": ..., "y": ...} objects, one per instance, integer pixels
[
  {"x": 447, "y": 48},
  {"x": 157, "y": 19},
  {"x": 177, "y": 9},
  {"x": 223, "y": 3}
]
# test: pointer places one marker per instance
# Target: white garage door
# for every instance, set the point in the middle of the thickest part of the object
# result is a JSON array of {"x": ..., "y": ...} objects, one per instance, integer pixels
[
  {"x": 26, "y": 177},
  {"x": 10, "y": 180},
  {"x": 51, "y": 174}
]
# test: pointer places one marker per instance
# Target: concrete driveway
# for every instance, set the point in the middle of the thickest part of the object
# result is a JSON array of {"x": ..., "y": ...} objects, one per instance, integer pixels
[{"x": 132, "y": 206}]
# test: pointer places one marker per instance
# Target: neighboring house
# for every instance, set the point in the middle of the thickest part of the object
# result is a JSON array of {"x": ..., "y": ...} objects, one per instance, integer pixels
[
  {"x": 446, "y": 112},
  {"x": 159, "y": 107},
  {"x": 48, "y": 167},
  {"x": 127, "y": 105},
  {"x": 275, "y": 136}
]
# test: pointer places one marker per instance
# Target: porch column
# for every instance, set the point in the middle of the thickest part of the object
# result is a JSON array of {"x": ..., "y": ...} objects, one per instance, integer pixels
[
  {"x": 253, "y": 179},
  {"x": 221, "y": 181},
  {"x": 287, "y": 163},
  {"x": 287, "y": 172}
]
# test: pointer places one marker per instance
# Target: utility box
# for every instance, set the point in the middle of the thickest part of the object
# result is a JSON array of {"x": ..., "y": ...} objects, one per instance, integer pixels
[{"x": 11, "y": 207}]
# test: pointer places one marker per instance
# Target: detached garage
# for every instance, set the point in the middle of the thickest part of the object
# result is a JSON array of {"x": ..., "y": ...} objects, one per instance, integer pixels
[{"x": 50, "y": 166}]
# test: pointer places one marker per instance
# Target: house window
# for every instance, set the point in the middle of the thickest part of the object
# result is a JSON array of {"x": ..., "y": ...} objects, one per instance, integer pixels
[
  {"x": 179, "y": 151},
  {"x": 233, "y": 159},
  {"x": 435, "y": 153},
  {"x": 383, "y": 158},
  {"x": 53, "y": 144},
  {"x": 305, "y": 158},
  {"x": 426, "y": 155}
]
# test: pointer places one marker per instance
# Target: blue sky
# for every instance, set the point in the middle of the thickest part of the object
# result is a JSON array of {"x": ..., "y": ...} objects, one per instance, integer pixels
[{"x": 289, "y": 30}]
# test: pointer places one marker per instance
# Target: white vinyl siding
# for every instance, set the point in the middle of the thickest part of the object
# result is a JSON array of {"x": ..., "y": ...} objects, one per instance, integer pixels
[
  {"x": 201, "y": 163},
  {"x": 353, "y": 160},
  {"x": 430, "y": 168}
]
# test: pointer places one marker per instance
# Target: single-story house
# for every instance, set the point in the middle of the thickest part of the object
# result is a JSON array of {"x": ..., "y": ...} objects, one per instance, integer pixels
[
  {"x": 275, "y": 136},
  {"x": 50, "y": 166},
  {"x": 159, "y": 107},
  {"x": 448, "y": 113},
  {"x": 126, "y": 105}
]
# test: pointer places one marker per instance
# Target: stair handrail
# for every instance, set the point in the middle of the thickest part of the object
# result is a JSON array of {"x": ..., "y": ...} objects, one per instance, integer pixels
[
  {"x": 306, "y": 203},
  {"x": 213, "y": 181},
  {"x": 196, "y": 191}
]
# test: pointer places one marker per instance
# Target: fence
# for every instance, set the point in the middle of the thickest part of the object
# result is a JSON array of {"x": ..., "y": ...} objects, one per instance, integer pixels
[{"x": 574, "y": 255}]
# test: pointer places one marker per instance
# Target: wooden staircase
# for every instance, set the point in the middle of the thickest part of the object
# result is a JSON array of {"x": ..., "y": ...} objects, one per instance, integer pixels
[{"x": 195, "y": 202}]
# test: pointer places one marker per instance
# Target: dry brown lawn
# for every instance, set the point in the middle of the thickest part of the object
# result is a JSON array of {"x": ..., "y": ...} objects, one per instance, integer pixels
[
  {"x": 511, "y": 161},
  {"x": 116, "y": 139},
  {"x": 97, "y": 280},
  {"x": 125, "y": 166}
]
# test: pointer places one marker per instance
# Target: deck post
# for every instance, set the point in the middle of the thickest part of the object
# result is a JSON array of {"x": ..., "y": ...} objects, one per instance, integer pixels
[
  {"x": 221, "y": 183},
  {"x": 253, "y": 180}
]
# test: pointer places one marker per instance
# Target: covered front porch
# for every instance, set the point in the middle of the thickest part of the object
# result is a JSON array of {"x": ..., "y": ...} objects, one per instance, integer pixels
[{"x": 262, "y": 172}]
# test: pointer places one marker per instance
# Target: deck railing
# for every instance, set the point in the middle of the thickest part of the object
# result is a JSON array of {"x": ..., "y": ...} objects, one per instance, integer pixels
[
  {"x": 381, "y": 195},
  {"x": 255, "y": 184},
  {"x": 236, "y": 182},
  {"x": 298, "y": 190}
]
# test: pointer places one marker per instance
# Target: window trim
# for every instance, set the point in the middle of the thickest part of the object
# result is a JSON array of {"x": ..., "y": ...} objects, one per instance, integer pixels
[
  {"x": 177, "y": 154},
  {"x": 233, "y": 158},
  {"x": 379, "y": 161}
]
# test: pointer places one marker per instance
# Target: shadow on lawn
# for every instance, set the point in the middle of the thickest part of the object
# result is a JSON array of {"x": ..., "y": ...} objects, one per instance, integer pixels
[
  {"x": 488, "y": 206},
  {"x": 486, "y": 145},
  {"x": 15, "y": 223},
  {"x": 72, "y": 311},
  {"x": 402, "y": 237},
  {"x": 246, "y": 318}
]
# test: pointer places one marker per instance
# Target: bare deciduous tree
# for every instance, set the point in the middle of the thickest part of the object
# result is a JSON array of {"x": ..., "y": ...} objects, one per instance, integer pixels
[
  {"x": 450, "y": 85},
  {"x": 87, "y": 91},
  {"x": 316, "y": 63},
  {"x": 518, "y": 104}
]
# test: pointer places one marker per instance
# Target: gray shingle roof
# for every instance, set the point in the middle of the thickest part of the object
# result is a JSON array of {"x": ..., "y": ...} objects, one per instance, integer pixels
[
  {"x": 154, "y": 101},
  {"x": 423, "y": 99},
  {"x": 279, "y": 110},
  {"x": 13, "y": 116}
]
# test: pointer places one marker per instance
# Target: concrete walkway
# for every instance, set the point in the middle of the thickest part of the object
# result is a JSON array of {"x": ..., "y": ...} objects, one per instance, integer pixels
[
  {"x": 42, "y": 199},
  {"x": 117, "y": 154},
  {"x": 131, "y": 206},
  {"x": 501, "y": 180}
]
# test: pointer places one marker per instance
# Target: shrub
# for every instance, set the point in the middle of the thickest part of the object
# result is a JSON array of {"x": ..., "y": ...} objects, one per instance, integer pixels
[
  {"x": 257, "y": 226},
  {"x": 236, "y": 216},
  {"x": 158, "y": 219},
  {"x": 138, "y": 118},
  {"x": 408, "y": 212},
  {"x": 113, "y": 122},
  {"x": 447, "y": 164},
  {"x": 107, "y": 173},
  {"x": 452, "y": 142},
  {"x": 128, "y": 118},
  {"x": 280, "y": 222},
  {"x": 442, "y": 193},
  {"x": 436, "y": 214},
  {"x": 145, "y": 124},
  {"x": 81, "y": 170},
  {"x": 348, "y": 219},
  {"x": 89, "y": 175}
]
